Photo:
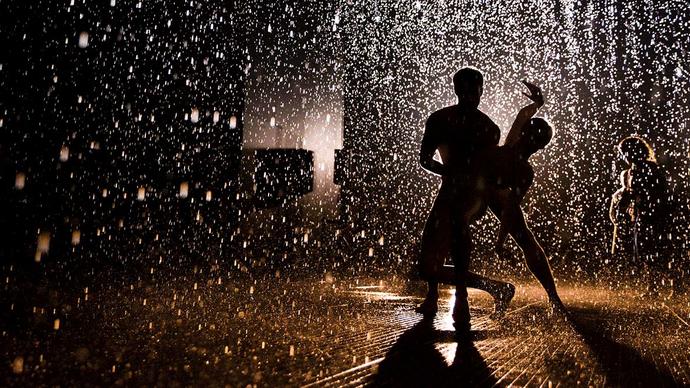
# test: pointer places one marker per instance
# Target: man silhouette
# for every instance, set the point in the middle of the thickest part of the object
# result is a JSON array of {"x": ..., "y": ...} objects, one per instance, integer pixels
[
  {"x": 467, "y": 141},
  {"x": 642, "y": 205}
]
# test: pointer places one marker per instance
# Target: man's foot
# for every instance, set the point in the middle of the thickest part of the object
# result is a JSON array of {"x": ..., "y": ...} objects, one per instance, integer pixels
[
  {"x": 428, "y": 308},
  {"x": 462, "y": 330},
  {"x": 461, "y": 318},
  {"x": 502, "y": 300}
]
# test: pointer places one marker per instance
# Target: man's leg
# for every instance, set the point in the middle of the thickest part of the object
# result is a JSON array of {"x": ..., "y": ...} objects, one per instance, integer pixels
[
  {"x": 435, "y": 247},
  {"x": 501, "y": 292},
  {"x": 429, "y": 270},
  {"x": 460, "y": 252}
]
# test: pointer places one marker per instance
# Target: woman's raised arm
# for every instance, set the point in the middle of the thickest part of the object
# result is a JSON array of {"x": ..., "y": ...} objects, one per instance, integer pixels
[{"x": 525, "y": 113}]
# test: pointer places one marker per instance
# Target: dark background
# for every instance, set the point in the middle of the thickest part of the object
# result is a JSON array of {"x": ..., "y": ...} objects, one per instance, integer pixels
[{"x": 122, "y": 106}]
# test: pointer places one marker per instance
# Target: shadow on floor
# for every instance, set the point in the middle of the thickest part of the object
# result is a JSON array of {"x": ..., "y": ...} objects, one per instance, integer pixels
[
  {"x": 414, "y": 360},
  {"x": 622, "y": 365}
]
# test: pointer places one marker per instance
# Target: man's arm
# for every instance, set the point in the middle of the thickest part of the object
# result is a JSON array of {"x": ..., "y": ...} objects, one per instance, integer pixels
[
  {"x": 428, "y": 149},
  {"x": 613, "y": 208},
  {"x": 620, "y": 205}
]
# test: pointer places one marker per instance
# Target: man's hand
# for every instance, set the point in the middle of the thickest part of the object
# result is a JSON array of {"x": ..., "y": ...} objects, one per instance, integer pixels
[{"x": 535, "y": 93}]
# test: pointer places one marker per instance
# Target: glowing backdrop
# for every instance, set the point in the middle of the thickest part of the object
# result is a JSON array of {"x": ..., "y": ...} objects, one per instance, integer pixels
[{"x": 608, "y": 69}]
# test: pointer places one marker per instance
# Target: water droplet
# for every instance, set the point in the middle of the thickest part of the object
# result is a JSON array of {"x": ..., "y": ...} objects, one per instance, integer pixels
[
  {"x": 18, "y": 365},
  {"x": 194, "y": 116},
  {"x": 184, "y": 190},
  {"x": 84, "y": 39},
  {"x": 76, "y": 238},
  {"x": 19, "y": 181},
  {"x": 64, "y": 153},
  {"x": 141, "y": 193}
]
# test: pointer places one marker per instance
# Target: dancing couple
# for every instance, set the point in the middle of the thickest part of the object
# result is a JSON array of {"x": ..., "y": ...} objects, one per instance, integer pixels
[{"x": 478, "y": 174}]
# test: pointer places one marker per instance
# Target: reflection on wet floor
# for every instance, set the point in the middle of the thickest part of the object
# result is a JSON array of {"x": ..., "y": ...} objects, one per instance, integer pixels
[{"x": 339, "y": 334}]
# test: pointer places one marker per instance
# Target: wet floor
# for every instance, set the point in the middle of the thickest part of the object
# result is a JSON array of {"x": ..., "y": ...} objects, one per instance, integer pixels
[{"x": 336, "y": 333}]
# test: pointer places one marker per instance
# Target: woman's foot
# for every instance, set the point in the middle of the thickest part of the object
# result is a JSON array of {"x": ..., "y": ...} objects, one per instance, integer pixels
[
  {"x": 502, "y": 300},
  {"x": 557, "y": 308}
]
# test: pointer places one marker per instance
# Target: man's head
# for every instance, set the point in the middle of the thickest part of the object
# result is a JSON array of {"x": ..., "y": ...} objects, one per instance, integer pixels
[
  {"x": 469, "y": 86},
  {"x": 636, "y": 149},
  {"x": 535, "y": 135}
]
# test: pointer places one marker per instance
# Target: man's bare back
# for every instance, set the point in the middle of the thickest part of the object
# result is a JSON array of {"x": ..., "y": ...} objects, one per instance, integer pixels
[{"x": 459, "y": 133}]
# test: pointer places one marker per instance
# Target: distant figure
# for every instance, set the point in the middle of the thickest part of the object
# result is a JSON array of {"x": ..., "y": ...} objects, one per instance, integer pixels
[
  {"x": 642, "y": 206},
  {"x": 475, "y": 173}
]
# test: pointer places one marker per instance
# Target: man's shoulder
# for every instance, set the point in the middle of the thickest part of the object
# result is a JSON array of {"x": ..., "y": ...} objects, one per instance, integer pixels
[
  {"x": 453, "y": 112},
  {"x": 647, "y": 168},
  {"x": 485, "y": 118},
  {"x": 443, "y": 113}
]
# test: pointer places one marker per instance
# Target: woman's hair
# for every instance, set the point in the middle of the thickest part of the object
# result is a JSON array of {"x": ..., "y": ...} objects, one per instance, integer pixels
[
  {"x": 538, "y": 133},
  {"x": 636, "y": 149}
]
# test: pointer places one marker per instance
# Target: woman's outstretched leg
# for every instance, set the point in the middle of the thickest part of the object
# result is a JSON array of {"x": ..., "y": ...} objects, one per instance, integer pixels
[{"x": 535, "y": 257}]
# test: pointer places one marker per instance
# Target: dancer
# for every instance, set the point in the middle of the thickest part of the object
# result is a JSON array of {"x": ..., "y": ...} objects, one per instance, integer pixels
[
  {"x": 459, "y": 133},
  {"x": 508, "y": 175},
  {"x": 467, "y": 143},
  {"x": 509, "y": 169}
]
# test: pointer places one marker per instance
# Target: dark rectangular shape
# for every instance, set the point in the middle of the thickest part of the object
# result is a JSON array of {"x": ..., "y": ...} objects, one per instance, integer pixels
[
  {"x": 339, "y": 169},
  {"x": 281, "y": 175}
]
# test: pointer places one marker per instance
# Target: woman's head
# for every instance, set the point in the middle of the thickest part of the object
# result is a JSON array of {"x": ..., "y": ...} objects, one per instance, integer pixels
[
  {"x": 536, "y": 134},
  {"x": 636, "y": 149}
]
